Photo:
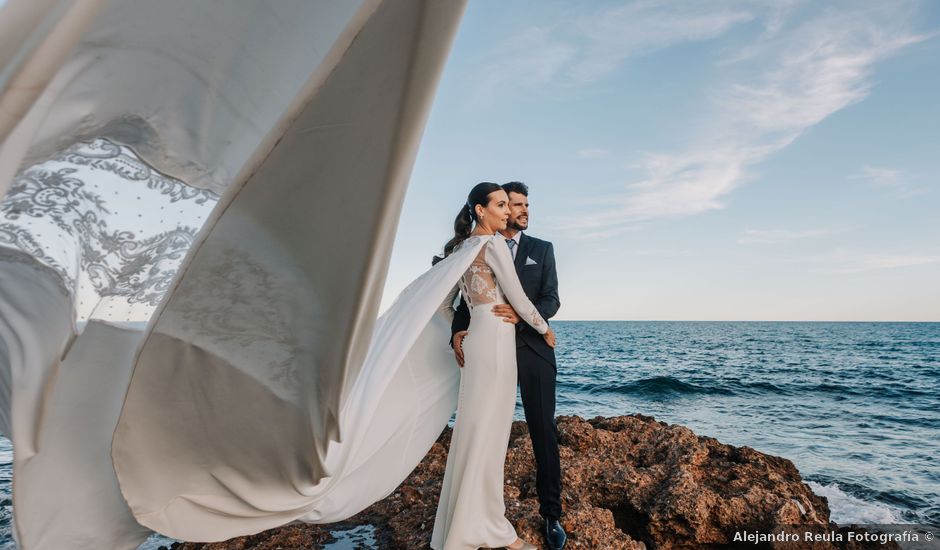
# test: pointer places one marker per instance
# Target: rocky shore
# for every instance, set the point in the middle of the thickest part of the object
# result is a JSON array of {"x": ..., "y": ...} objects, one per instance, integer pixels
[{"x": 629, "y": 482}]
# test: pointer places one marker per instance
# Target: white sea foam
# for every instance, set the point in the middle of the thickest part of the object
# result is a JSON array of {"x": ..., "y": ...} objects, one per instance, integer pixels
[{"x": 846, "y": 509}]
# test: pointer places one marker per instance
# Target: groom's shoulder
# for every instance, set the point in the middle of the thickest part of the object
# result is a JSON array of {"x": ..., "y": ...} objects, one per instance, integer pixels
[{"x": 537, "y": 241}]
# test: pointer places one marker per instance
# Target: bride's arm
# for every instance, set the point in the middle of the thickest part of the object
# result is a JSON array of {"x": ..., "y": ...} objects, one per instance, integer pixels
[
  {"x": 447, "y": 307},
  {"x": 499, "y": 259}
]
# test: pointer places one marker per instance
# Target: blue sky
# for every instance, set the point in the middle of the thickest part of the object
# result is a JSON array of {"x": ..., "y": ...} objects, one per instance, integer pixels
[
  {"x": 699, "y": 160},
  {"x": 708, "y": 160}
]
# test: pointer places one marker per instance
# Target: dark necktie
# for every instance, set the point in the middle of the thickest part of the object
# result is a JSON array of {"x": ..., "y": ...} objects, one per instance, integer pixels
[{"x": 511, "y": 243}]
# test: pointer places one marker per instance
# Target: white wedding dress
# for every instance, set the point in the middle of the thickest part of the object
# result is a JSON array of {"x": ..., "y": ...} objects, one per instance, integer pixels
[{"x": 471, "y": 511}]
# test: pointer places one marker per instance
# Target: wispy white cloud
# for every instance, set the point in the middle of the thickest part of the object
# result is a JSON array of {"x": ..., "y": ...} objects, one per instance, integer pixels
[
  {"x": 791, "y": 80},
  {"x": 846, "y": 262},
  {"x": 585, "y": 46},
  {"x": 777, "y": 16},
  {"x": 854, "y": 260},
  {"x": 775, "y": 236},
  {"x": 880, "y": 176},
  {"x": 618, "y": 33},
  {"x": 527, "y": 61},
  {"x": 617, "y": 249},
  {"x": 896, "y": 182},
  {"x": 658, "y": 252},
  {"x": 821, "y": 67},
  {"x": 676, "y": 186}
]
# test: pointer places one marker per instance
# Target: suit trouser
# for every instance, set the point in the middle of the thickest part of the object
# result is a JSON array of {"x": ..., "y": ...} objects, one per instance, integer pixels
[{"x": 537, "y": 384}]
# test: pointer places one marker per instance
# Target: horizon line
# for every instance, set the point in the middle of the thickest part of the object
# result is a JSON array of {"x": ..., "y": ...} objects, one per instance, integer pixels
[{"x": 737, "y": 321}]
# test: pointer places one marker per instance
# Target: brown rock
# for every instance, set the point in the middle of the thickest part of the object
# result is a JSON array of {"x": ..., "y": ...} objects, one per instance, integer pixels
[{"x": 628, "y": 482}]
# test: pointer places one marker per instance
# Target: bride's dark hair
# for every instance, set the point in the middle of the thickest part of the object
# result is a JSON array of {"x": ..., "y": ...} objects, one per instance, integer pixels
[{"x": 463, "y": 224}]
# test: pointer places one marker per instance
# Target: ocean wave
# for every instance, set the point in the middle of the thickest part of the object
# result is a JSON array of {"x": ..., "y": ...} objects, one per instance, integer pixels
[
  {"x": 847, "y": 509},
  {"x": 653, "y": 386},
  {"x": 661, "y": 385}
]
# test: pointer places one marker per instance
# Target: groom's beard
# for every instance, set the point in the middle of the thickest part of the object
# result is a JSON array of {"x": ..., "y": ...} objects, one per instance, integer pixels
[{"x": 515, "y": 226}]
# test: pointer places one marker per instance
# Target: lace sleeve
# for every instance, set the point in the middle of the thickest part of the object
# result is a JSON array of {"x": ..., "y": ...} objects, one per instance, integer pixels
[
  {"x": 447, "y": 306},
  {"x": 499, "y": 259}
]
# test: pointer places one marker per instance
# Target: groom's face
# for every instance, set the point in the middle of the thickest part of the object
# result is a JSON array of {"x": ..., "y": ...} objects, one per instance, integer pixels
[{"x": 518, "y": 211}]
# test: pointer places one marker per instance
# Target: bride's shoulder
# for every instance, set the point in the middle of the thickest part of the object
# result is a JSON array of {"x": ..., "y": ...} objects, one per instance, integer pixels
[
  {"x": 484, "y": 240},
  {"x": 473, "y": 239}
]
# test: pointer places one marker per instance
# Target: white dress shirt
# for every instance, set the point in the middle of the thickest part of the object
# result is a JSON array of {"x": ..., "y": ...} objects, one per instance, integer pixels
[{"x": 515, "y": 249}]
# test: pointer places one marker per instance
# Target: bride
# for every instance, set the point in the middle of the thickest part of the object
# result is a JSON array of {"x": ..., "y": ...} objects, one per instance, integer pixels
[{"x": 470, "y": 512}]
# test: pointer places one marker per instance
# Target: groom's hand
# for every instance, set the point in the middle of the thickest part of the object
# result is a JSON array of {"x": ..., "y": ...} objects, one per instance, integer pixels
[
  {"x": 506, "y": 311},
  {"x": 458, "y": 346}
]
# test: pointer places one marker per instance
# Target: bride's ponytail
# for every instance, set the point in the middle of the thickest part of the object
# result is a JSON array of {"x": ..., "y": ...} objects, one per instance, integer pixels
[{"x": 463, "y": 223}]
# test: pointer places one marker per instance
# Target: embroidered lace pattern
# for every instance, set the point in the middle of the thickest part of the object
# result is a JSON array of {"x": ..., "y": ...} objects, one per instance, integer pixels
[
  {"x": 492, "y": 278},
  {"x": 478, "y": 284},
  {"x": 112, "y": 228}
]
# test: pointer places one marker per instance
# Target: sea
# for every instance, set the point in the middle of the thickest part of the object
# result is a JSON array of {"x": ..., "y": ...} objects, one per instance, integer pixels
[{"x": 854, "y": 405}]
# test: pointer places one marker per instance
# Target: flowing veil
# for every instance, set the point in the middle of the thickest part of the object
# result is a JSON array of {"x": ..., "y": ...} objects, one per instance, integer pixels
[{"x": 187, "y": 165}]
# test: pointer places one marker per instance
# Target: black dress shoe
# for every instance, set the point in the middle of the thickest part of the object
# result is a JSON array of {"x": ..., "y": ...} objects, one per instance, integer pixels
[{"x": 554, "y": 535}]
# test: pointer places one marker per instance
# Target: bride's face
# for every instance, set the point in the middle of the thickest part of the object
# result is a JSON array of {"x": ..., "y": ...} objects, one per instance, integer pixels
[{"x": 496, "y": 213}]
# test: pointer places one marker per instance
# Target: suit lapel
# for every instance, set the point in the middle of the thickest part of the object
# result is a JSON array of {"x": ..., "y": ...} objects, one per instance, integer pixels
[{"x": 522, "y": 254}]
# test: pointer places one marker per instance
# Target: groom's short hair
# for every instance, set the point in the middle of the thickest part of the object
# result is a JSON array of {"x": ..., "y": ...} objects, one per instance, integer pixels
[{"x": 516, "y": 187}]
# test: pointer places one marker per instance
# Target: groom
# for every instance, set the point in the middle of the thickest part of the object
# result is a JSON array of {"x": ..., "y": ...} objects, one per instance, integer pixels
[{"x": 535, "y": 264}]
